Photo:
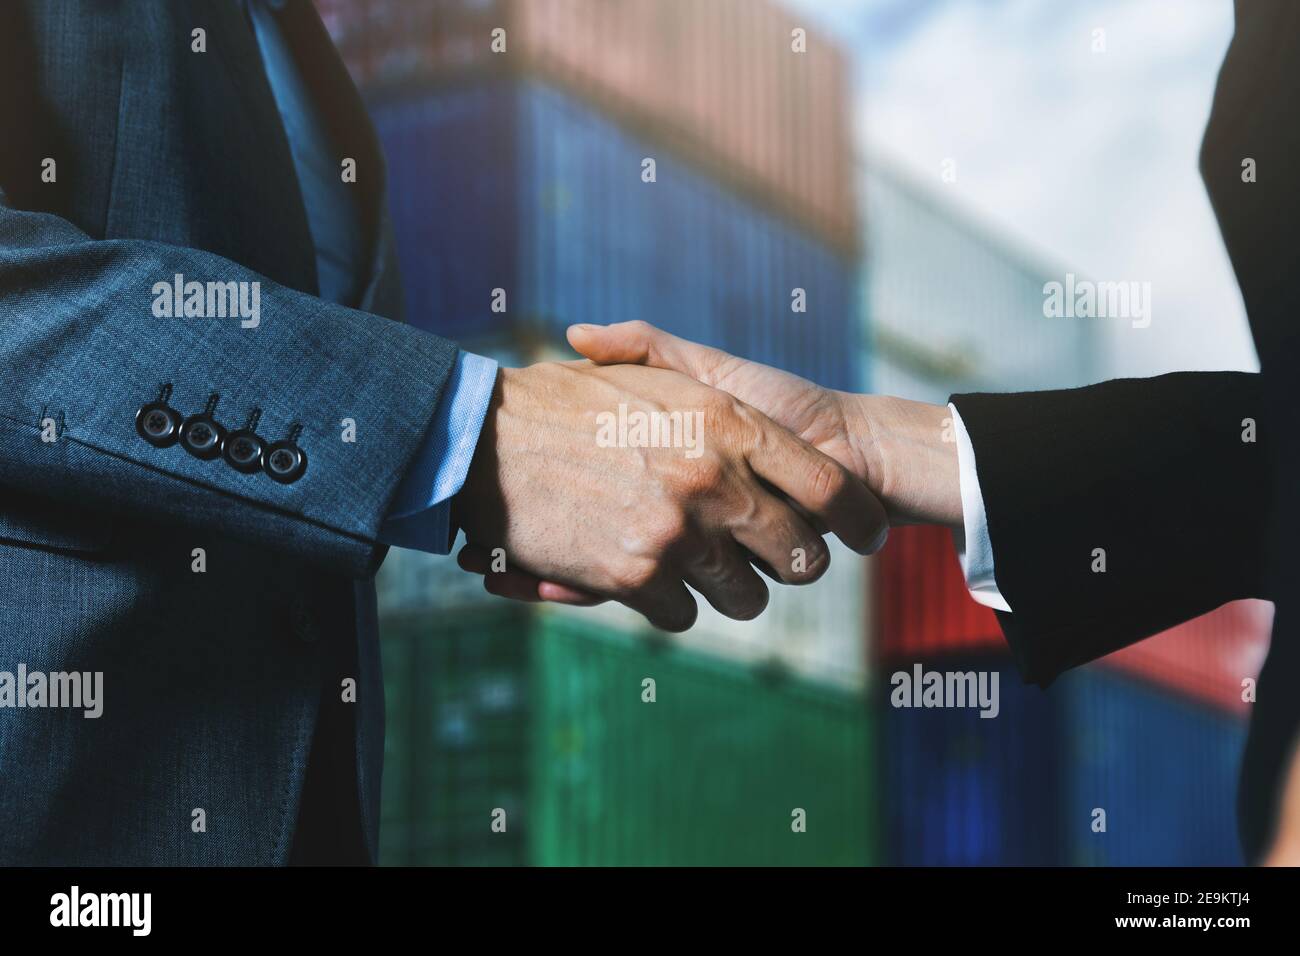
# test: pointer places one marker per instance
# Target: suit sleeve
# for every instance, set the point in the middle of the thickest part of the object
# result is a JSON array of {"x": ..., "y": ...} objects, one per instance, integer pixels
[
  {"x": 1118, "y": 510},
  {"x": 80, "y": 346}
]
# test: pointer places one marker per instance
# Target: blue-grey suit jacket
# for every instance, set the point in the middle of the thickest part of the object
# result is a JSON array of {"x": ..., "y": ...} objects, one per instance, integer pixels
[{"x": 169, "y": 161}]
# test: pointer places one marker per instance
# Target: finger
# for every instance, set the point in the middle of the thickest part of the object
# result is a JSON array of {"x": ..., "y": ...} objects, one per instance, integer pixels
[
  {"x": 821, "y": 486},
  {"x": 513, "y": 585},
  {"x": 557, "y": 593},
  {"x": 783, "y": 545},
  {"x": 474, "y": 558},
  {"x": 519, "y": 584},
  {"x": 663, "y": 601},
  {"x": 723, "y": 574},
  {"x": 640, "y": 343},
  {"x": 762, "y": 565}
]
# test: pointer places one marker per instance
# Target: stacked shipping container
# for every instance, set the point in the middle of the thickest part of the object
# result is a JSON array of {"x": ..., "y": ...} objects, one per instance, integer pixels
[
  {"x": 720, "y": 765},
  {"x": 1150, "y": 735},
  {"x": 575, "y": 160},
  {"x": 548, "y": 206},
  {"x": 547, "y": 726},
  {"x": 456, "y": 746},
  {"x": 736, "y": 87},
  {"x": 1097, "y": 770},
  {"x": 517, "y": 177}
]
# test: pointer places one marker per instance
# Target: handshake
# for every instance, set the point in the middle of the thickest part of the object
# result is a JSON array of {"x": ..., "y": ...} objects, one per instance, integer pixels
[{"x": 660, "y": 463}]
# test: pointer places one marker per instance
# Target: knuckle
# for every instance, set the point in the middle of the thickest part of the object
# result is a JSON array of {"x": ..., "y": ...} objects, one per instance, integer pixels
[
  {"x": 656, "y": 533},
  {"x": 723, "y": 409},
  {"x": 667, "y": 531},
  {"x": 826, "y": 483},
  {"x": 634, "y": 576},
  {"x": 745, "y": 416},
  {"x": 700, "y": 477}
]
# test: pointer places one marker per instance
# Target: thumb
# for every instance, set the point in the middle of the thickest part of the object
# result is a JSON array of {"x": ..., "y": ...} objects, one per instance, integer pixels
[
  {"x": 620, "y": 343},
  {"x": 640, "y": 343}
]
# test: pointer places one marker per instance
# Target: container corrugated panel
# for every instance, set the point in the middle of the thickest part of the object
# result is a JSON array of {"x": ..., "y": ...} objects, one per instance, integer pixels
[
  {"x": 400, "y": 733},
  {"x": 1023, "y": 787},
  {"x": 924, "y": 608},
  {"x": 963, "y": 790},
  {"x": 814, "y": 632},
  {"x": 518, "y": 186},
  {"x": 922, "y": 604},
  {"x": 954, "y": 306},
  {"x": 1208, "y": 658},
  {"x": 718, "y": 82},
  {"x": 1163, "y": 769},
  {"x": 712, "y": 772},
  {"x": 457, "y": 736},
  {"x": 452, "y": 175}
]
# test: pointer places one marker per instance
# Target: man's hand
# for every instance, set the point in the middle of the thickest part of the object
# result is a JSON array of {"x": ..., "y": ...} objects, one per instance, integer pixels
[
  {"x": 904, "y": 451},
  {"x": 573, "y": 495}
]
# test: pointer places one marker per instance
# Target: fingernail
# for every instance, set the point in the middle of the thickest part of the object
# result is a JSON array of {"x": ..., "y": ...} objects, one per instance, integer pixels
[{"x": 586, "y": 326}]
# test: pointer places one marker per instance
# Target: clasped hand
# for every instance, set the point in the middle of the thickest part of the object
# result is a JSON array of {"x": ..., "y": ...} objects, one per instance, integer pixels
[{"x": 780, "y": 460}]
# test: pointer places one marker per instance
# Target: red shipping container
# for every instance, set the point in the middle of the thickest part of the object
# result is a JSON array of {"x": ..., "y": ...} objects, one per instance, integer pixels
[
  {"x": 717, "y": 82},
  {"x": 925, "y": 610},
  {"x": 923, "y": 606},
  {"x": 1207, "y": 657}
]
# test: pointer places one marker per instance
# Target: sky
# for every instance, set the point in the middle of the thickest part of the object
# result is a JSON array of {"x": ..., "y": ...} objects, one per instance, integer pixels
[{"x": 1087, "y": 158}]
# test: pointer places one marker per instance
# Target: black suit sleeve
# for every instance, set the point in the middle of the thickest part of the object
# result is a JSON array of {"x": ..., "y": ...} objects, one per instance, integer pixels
[{"x": 1155, "y": 477}]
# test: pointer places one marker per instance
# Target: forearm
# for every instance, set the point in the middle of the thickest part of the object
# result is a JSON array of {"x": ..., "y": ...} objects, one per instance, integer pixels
[
  {"x": 84, "y": 345},
  {"x": 908, "y": 456},
  {"x": 1121, "y": 509}
]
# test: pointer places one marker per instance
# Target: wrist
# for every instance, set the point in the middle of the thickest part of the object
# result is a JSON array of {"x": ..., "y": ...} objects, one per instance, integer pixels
[
  {"x": 482, "y": 480},
  {"x": 909, "y": 453}
]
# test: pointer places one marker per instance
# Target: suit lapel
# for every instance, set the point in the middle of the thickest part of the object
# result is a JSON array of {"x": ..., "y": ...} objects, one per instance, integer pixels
[
  {"x": 235, "y": 46},
  {"x": 348, "y": 126}
]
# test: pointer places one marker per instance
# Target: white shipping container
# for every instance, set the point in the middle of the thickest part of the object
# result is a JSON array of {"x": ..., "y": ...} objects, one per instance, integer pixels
[
  {"x": 952, "y": 306},
  {"x": 815, "y": 631}
]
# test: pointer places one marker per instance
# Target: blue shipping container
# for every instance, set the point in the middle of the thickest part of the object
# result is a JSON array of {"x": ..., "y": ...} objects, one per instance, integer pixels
[
  {"x": 1163, "y": 768},
  {"x": 962, "y": 790},
  {"x": 1023, "y": 788},
  {"x": 513, "y": 185}
]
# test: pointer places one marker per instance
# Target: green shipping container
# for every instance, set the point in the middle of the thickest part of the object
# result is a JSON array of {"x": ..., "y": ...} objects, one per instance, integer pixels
[
  {"x": 456, "y": 745},
  {"x": 399, "y": 717},
  {"x": 720, "y": 769}
]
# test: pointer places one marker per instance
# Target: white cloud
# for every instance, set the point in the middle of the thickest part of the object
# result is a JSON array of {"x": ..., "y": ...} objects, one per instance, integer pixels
[{"x": 1089, "y": 157}]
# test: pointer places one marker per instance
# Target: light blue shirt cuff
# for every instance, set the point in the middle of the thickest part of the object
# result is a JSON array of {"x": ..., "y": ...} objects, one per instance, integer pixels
[
  {"x": 974, "y": 549},
  {"x": 420, "y": 514}
]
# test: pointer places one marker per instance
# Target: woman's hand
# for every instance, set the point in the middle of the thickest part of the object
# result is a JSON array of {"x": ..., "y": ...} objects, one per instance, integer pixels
[{"x": 904, "y": 451}]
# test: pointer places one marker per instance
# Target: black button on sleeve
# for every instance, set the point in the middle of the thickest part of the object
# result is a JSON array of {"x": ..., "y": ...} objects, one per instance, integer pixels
[
  {"x": 201, "y": 435},
  {"x": 244, "y": 450},
  {"x": 157, "y": 422},
  {"x": 285, "y": 462}
]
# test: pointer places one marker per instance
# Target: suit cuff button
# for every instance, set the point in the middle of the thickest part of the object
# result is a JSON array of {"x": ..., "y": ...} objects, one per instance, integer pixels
[
  {"x": 243, "y": 452},
  {"x": 201, "y": 436},
  {"x": 285, "y": 462},
  {"x": 158, "y": 424}
]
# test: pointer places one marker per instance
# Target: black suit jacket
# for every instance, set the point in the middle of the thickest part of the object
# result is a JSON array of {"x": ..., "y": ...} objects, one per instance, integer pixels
[{"x": 1156, "y": 472}]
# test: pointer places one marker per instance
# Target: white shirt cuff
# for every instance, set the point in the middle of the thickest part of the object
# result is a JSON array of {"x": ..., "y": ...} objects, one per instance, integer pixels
[{"x": 974, "y": 550}]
